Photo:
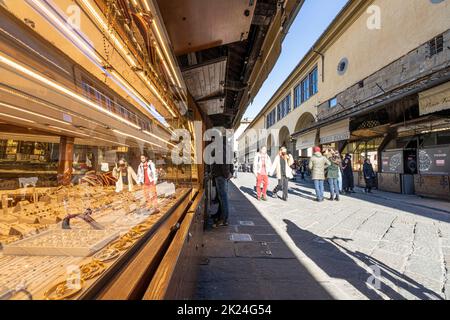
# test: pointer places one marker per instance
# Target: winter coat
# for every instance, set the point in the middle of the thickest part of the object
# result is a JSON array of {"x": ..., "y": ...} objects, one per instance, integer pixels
[
  {"x": 347, "y": 173},
  {"x": 335, "y": 167},
  {"x": 276, "y": 167},
  {"x": 257, "y": 164},
  {"x": 151, "y": 172},
  {"x": 131, "y": 176},
  {"x": 317, "y": 165},
  {"x": 368, "y": 171}
]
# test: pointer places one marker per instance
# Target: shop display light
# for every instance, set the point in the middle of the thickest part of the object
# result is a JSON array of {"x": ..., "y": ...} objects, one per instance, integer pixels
[
  {"x": 14, "y": 117},
  {"x": 62, "y": 26},
  {"x": 67, "y": 130},
  {"x": 50, "y": 83},
  {"x": 30, "y": 112},
  {"x": 156, "y": 137},
  {"x": 134, "y": 137}
]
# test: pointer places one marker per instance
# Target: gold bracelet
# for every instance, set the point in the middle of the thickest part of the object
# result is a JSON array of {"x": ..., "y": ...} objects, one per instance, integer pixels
[
  {"x": 92, "y": 269},
  {"x": 61, "y": 291},
  {"x": 107, "y": 254}
]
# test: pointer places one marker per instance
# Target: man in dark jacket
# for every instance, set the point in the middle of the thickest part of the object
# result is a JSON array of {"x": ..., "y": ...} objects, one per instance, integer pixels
[
  {"x": 347, "y": 178},
  {"x": 222, "y": 173},
  {"x": 369, "y": 175}
]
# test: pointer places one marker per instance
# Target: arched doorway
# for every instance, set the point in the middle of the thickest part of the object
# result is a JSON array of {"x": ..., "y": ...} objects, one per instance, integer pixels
[
  {"x": 305, "y": 121},
  {"x": 285, "y": 140}
]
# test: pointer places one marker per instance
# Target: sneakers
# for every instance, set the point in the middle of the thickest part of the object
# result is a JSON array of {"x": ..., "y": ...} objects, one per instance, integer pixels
[{"x": 217, "y": 224}]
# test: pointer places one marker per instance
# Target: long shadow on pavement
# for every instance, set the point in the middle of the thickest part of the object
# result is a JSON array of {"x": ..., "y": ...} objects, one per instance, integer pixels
[
  {"x": 337, "y": 264},
  {"x": 436, "y": 214},
  {"x": 252, "y": 192},
  {"x": 264, "y": 268}
]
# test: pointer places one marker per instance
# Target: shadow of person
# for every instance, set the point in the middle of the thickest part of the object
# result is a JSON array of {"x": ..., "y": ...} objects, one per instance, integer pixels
[
  {"x": 248, "y": 191},
  {"x": 331, "y": 260},
  {"x": 301, "y": 195},
  {"x": 390, "y": 274}
]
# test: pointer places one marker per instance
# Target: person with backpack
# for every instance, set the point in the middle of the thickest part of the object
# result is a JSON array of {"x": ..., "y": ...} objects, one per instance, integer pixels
[
  {"x": 333, "y": 174},
  {"x": 261, "y": 167}
]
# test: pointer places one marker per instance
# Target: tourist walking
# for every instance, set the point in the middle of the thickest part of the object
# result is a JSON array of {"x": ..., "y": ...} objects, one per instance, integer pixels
[
  {"x": 369, "y": 175},
  {"x": 261, "y": 167},
  {"x": 125, "y": 176},
  {"x": 317, "y": 164},
  {"x": 333, "y": 171},
  {"x": 347, "y": 174},
  {"x": 282, "y": 168},
  {"x": 236, "y": 168},
  {"x": 147, "y": 177}
]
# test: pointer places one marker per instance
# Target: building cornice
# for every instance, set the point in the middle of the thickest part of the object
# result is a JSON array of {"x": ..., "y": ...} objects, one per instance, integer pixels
[{"x": 344, "y": 19}]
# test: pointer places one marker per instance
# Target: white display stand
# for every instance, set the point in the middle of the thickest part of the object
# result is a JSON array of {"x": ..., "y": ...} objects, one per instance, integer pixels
[{"x": 44, "y": 244}]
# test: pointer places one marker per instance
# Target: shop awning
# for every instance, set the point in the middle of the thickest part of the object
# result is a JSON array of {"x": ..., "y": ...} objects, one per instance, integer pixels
[
  {"x": 307, "y": 140},
  {"x": 337, "y": 131},
  {"x": 435, "y": 99}
]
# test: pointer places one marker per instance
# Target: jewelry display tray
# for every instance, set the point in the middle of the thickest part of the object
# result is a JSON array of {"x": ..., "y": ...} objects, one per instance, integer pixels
[{"x": 89, "y": 246}]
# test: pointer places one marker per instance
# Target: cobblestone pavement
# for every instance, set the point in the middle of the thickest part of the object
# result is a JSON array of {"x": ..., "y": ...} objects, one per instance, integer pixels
[{"x": 379, "y": 246}]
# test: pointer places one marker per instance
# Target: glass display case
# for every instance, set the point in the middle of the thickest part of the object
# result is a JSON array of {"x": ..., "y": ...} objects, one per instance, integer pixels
[
  {"x": 57, "y": 241},
  {"x": 89, "y": 170}
]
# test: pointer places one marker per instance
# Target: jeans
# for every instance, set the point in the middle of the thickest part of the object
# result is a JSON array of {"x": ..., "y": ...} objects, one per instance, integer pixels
[
  {"x": 150, "y": 195},
  {"x": 318, "y": 185},
  {"x": 283, "y": 184},
  {"x": 264, "y": 180},
  {"x": 222, "y": 192},
  {"x": 369, "y": 185},
  {"x": 334, "y": 187}
]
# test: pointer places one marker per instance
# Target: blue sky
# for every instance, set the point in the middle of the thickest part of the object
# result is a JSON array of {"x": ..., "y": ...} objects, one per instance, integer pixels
[{"x": 311, "y": 22}]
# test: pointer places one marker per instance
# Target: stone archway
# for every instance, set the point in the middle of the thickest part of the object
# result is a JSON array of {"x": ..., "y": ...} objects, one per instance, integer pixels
[
  {"x": 305, "y": 121},
  {"x": 285, "y": 140}
]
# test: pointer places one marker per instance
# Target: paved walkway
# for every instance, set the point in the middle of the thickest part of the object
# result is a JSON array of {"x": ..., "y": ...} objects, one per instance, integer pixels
[{"x": 380, "y": 246}]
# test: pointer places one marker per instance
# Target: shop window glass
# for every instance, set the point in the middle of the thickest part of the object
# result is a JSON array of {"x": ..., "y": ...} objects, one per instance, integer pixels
[
  {"x": 313, "y": 82},
  {"x": 305, "y": 90},
  {"x": 297, "y": 96}
]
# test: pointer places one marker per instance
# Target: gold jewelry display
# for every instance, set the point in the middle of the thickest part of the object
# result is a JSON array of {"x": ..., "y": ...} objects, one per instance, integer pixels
[
  {"x": 133, "y": 235},
  {"x": 107, "y": 254},
  {"x": 122, "y": 244},
  {"x": 62, "y": 290},
  {"x": 92, "y": 269}
]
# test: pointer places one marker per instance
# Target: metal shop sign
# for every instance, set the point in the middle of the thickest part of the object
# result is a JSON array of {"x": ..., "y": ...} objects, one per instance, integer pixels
[
  {"x": 434, "y": 160},
  {"x": 334, "y": 138},
  {"x": 392, "y": 161},
  {"x": 435, "y": 99}
]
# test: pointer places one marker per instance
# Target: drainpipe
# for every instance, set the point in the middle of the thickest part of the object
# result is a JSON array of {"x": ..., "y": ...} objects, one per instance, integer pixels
[{"x": 323, "y": 63}]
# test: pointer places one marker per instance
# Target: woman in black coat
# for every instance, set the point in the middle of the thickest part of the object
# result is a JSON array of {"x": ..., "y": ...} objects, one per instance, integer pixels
[
  {"x": 347, "y": 174},
  {"x": 369, "y": 175}
]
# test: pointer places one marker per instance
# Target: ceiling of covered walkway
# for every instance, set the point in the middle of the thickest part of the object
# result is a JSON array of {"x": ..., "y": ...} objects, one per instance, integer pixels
[{"x": 226, "y": 49}]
